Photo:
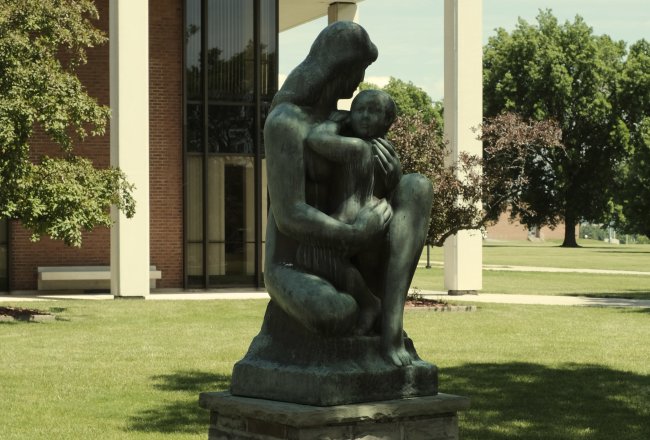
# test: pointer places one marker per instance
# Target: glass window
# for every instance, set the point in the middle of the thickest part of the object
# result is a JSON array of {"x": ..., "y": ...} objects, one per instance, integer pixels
[
  {"x": 268, "y": 50},
  {"x": 231, "y": 217},
  {"x": 193, "y": 49},
  {"x": 231, "y": 129},
  {"x": 226, "y": 104},
  {"x": 231, "y": 54},
  {"x": 194, "y": 128}
]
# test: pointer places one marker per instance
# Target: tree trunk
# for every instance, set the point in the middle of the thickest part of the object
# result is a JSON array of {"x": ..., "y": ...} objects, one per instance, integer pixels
[{"x": 570, "y": 233}]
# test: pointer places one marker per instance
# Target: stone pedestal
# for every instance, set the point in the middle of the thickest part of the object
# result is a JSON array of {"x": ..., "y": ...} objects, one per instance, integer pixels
[
  {"x": 416, "y": 418},
  {"x": 286, "y": 362}
]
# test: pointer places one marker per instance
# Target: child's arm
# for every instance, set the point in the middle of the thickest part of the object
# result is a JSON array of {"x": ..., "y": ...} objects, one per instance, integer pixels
[{"x": 325, "y": 140}]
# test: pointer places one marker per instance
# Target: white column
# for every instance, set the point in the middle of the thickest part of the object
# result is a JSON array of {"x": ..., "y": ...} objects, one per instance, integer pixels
[
  {"x": 463, "y": 104},
  {"x": 129, "y": 131},
  {"x": 342, "y": 11}
]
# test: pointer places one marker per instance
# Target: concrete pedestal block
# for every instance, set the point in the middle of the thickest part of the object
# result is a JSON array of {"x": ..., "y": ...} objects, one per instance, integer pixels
[
  {"x": 416, "y": 418},
  {"x": 285, "y": 362}
]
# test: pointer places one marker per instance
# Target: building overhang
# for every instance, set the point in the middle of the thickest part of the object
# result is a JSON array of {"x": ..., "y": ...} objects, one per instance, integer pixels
[{"x": 296, "y": 12}]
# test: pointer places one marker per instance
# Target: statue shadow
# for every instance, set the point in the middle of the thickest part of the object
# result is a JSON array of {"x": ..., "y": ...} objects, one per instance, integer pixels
[
  {"x": 509, "y": 401},
  {"x": 181, "y": 412},
  {"x": 529, "y": 401}
]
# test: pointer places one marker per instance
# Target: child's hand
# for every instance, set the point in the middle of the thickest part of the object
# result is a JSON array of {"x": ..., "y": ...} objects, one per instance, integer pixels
[{"x": 387, "y": 161}]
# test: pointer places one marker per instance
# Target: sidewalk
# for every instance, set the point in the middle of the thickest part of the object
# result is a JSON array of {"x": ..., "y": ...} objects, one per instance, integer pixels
[
  {"x": 549, "y": 300},
  {"x": 262, "y": 294},
  {"x": 509, "y": 268}
]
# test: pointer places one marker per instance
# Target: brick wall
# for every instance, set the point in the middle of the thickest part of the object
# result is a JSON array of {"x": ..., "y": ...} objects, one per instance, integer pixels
[
  {"x": 505, "y": 230},
  {"x": 166, "y": 138},
  {"x": 165, "y": 159}
]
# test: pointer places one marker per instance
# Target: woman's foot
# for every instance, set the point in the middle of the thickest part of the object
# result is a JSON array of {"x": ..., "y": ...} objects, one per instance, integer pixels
[{"x": 396, "y": 353}]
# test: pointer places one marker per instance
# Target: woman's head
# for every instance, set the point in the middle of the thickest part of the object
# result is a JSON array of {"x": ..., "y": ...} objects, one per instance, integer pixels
[{"x": 336, "y": 63}]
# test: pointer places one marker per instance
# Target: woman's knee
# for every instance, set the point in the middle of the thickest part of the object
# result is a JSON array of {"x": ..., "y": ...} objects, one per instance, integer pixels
[{"x": 416, "y": 187}]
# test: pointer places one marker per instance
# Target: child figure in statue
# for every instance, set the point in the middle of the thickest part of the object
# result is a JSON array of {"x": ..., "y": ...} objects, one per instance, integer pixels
[{"x": 351, "y": 141}]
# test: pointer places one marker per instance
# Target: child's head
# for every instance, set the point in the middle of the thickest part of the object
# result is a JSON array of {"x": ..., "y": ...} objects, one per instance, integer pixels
[{"x": 372, "y": 113}]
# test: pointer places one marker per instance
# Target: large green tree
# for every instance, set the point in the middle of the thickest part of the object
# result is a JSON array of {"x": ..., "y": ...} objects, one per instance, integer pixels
[
  {"x": 474, "y": 191},
  {"x": 411, "y": 100},
  {"x": 634, "y": 195},
  {"x": 563, "y": 72},
  {"x": 42, "y": 42}
]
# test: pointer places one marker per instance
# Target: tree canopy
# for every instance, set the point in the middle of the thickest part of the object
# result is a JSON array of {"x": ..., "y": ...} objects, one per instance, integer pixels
[
  {"x": 411, "y": 100},
  {"x": 497, "y": 180},
  {"x": 42, "y": 42},
  {"x": 634, "y": 195},
  {"x": 563, "y": 72}
]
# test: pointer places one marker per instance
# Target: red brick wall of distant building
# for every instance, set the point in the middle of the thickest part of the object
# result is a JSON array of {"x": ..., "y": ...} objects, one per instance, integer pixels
[
  {"x": 166, "y": 196},
  {"x": 504, "y": 229}
]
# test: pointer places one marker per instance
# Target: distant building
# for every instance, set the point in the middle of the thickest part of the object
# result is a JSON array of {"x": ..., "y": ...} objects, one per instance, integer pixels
[{"x": 504, "y": 229}]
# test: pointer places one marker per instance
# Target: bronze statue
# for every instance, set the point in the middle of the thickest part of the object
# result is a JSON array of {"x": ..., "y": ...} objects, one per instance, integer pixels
[{"x": 344, "y": 236}]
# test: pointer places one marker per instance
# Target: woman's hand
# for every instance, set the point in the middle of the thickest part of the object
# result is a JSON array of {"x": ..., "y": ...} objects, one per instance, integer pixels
[{"x": 387, "y": 162}]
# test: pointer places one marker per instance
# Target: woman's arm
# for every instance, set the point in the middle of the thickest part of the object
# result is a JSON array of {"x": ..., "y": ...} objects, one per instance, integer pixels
[{"x": 285, "y": 134}]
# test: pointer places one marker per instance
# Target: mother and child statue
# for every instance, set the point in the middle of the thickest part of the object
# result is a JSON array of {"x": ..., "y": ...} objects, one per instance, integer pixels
[{"x": 344, "y": 236}]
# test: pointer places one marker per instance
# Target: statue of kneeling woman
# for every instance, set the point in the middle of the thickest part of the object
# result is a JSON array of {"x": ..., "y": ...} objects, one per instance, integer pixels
[{"x": 344, "y": 236}]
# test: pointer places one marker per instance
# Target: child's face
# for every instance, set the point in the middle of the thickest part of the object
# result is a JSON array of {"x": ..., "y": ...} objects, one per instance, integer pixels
[{"x": 367, "y": 117}]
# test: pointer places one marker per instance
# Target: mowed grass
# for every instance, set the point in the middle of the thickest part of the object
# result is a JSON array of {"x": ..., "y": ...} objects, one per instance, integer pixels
[
  {"x": 134, "y": 369},
  {"x": 593, "y": 255}
]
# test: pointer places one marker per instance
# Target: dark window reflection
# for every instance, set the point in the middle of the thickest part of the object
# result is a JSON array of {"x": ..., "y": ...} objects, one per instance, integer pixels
[
  {"x": 193, "y": 49},
  {"x": 264, "y": 112},
  {"x": 194, "y": 128},
  {"x": 231, "y": 53},
  {"x": 231, "y": 129},
  {"x": 268, "y": 43}
]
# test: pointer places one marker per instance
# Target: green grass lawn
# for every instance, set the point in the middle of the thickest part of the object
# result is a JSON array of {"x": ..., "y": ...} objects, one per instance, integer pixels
[
  {"x": 592, "y": 255},
  {"x": 134, "y": 369},
  {"x": 544, "y": 283}
]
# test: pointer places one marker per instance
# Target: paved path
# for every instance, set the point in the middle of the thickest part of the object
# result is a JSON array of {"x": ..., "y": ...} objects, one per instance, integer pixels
[
  {"x": 509, "y": 268},
  {"x": 261, "y": 294},
  {"x": 551, "y": 300}
]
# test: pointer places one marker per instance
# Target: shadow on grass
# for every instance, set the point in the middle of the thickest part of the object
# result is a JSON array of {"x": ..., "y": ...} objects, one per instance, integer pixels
[
  {"x": 626, "y": 294},
  {"x": 620, "y": 251},
  {"x": 528, "y": 401},
  {"x": 181, "y": 413}
]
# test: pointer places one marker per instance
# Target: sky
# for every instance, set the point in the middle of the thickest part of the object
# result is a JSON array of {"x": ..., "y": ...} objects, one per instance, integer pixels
[{"x": 410, "y": 36}]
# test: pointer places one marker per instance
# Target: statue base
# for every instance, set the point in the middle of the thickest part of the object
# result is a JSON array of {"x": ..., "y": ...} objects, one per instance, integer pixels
[
  {"x": 418, "y": 418},
  {"x": 287, "y": 363}
]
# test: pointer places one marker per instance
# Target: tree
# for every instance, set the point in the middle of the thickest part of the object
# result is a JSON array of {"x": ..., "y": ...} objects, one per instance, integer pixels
[
  {"x": 42, "y": 42},
  {"x": 634, "y": 195},
  {"x": 567, "y": 74},
  {"x": 411, "y": 100},
  {"x": 497, "y": 180}
]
